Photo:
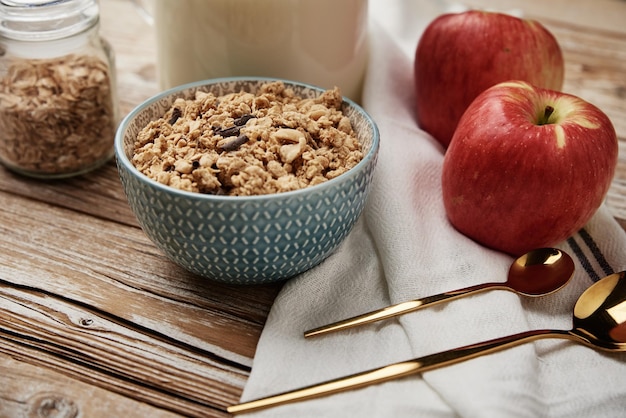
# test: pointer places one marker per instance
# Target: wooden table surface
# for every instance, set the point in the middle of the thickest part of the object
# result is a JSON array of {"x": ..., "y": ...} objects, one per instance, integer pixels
[{"x": 96, "y": 322}]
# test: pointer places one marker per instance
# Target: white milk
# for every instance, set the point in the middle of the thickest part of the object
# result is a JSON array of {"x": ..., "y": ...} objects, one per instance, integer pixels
[{"x": 321, "y": 42}]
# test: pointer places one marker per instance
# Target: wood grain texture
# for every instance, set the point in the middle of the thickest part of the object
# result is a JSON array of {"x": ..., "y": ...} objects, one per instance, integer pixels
[
  {"x": 96, "y": 301},
  {"x": 95, "y": 321},
  {"x": 45, "y": 393}
]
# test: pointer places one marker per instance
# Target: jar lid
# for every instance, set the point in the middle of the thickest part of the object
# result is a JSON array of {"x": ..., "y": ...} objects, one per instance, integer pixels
[{"x": 38, "y": 20}]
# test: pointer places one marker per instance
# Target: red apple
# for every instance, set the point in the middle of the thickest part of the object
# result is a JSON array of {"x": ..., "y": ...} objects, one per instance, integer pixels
[
  {"x": 460, "y": 55},
  {"x": 527, "y": 167}
]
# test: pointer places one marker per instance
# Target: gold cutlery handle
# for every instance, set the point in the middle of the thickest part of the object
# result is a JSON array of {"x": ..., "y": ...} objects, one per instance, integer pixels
[
  {"x": 402, "y": 369},
  {"x": 401, "y": 308}
]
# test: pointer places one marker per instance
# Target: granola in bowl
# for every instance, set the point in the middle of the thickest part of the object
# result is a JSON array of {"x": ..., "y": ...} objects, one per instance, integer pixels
[
  {"x": 249, "y": 180},
  {"x": 243, "y": 144}
]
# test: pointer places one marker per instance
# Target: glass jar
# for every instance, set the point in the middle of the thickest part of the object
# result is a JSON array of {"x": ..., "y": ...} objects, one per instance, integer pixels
[{"x": 58, "y": 105}]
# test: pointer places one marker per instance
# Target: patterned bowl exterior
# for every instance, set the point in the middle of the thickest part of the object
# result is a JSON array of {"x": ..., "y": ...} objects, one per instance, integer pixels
[{"x": 245, "y": 240}]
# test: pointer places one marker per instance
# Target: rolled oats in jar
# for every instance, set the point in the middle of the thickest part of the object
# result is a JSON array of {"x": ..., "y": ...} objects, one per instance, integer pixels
[{"x": 58, "y": 108}]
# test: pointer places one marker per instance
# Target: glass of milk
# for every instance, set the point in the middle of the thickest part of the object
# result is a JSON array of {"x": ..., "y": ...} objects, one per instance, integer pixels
[{"x": 320, "y": 42}]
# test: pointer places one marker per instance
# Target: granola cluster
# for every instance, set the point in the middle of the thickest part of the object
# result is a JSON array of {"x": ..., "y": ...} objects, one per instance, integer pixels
[
  {"x": 244, "y": 144},
  {"x": 56, "y": 115}
]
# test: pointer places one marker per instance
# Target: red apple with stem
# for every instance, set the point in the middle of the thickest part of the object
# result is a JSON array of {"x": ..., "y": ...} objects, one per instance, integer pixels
[
  {"x": 527, "y": 167},
  {"x": 460, "y": 55}
]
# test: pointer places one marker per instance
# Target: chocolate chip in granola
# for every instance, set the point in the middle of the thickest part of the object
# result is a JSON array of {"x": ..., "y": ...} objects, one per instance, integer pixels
[
  {"x": 234, "y": 144},
  {"x": 243, "y": 119},
  {"x": 235, "y": 129},
  {"x": 227, "y": 132},
  {"x": 176, "y": 114}
]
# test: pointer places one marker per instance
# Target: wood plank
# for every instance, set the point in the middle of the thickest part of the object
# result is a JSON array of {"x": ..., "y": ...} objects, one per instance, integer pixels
[
  {"x": 597, "y": 14},
  {"x": 102, "y": 308},
  {"x": 98, "y": 193},
  {"x": 119, "y": 271},
  {"x": 134, "y": 43},
  {"x": 595, "y": 68},
  {"x": 44, "y": 329},
  {"x": 31, "y": 391}
]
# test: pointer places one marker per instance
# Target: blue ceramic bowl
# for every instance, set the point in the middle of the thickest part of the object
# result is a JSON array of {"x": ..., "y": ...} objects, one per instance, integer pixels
[{"x": 245, "y": 240}]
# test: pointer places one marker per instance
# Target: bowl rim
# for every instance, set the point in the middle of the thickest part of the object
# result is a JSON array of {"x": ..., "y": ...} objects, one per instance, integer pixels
[{"x": 122, "y": 159}]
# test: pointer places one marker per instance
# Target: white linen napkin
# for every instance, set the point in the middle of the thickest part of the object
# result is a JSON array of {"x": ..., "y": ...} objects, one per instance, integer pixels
[{"x": 402, "y": 248}]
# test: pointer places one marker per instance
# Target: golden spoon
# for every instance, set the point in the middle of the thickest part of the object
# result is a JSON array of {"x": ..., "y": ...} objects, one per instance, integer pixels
[
  {"x": 536, "y": 273},
  {"x": 599, "y": 322}
]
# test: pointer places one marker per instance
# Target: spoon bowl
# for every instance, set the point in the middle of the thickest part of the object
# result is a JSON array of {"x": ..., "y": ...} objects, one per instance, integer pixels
[
  {"x": 539, "y": 272},
  {"x": 599, "y": 322},
  {"x": 600, "y": 314},
  {"x": 536, "y": 273}
]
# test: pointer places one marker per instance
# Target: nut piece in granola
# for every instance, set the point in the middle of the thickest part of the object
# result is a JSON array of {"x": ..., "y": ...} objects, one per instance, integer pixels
[{"x": 243, "y": 144}]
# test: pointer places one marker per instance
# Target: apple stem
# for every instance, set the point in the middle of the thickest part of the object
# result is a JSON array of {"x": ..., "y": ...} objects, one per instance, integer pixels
[{"x": 547, "y": 112}]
